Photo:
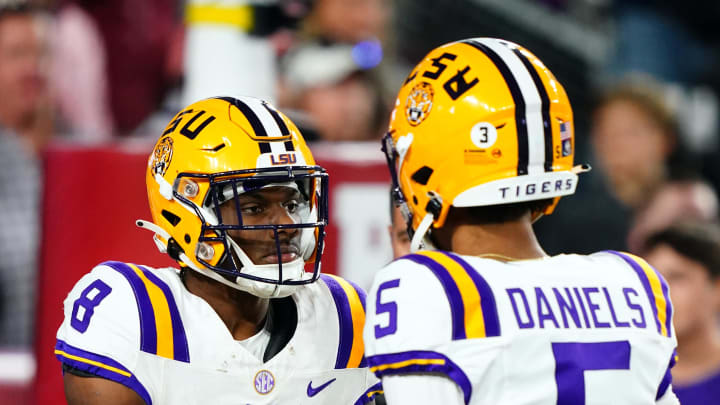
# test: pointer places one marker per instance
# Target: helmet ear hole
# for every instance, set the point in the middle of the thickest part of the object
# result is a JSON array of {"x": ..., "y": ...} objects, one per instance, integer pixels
[
  {"x": 422, "y": 175},
  {"x": 170, "y": 217}
]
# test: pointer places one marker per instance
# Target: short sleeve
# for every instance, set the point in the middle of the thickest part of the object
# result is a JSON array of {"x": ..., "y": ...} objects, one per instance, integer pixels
[
  {"x": 421, "y": 312},
  {"x": 100, "y": 333},
  {"x": 407, "y": 310}
]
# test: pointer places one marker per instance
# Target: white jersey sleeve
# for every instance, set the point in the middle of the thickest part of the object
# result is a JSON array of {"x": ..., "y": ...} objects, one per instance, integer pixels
[
  {"x": 669, "y": 398},
  {"x": 414, "y": 313},
  {"x": 421, "y": 389},
  {"x": 107, "y": 322}
]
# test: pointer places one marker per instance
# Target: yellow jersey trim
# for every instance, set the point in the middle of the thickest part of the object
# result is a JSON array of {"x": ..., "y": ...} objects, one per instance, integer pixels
[
  {"x": 656, "y": 287},
  {"x": 161, "y": 310},
  {"x": 93, "y": 363},
  {"x": 358, "y": 320},
  {"x": 474, "y": 319},
  {"x": 406, "y": 363}
]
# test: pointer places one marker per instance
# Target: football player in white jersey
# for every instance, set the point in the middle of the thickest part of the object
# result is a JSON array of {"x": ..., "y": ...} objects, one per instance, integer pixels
[
  {"x": 237, "y": 200},
  {"x": 480, "y": 146}
]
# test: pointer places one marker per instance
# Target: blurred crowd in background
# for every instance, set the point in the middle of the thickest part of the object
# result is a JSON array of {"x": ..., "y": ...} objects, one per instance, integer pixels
[{"x": 642, "y": 76}]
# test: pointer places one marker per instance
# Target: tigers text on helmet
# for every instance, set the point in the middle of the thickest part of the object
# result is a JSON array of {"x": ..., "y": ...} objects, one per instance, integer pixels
[
  {"x": 217, "y": 153},
  {"x": 479, "y": 122}
]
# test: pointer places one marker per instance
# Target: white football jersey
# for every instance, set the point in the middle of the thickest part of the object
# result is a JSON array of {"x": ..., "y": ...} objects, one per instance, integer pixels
[
  {"x": 140, "y": 327},
  {"x": 566, "y": 330}
]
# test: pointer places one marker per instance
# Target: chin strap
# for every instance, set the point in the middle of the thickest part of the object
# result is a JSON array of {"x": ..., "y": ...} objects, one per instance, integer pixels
[
  {"x": 422, "y": 229},
  {"x": 182, "y": 257},
  {"x": 581, "y": 168},
  {"x": 162, "y": 246}
]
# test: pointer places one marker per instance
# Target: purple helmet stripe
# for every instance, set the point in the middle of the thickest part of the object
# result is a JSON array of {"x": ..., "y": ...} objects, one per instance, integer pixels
[{"x": 518, "y": 98}]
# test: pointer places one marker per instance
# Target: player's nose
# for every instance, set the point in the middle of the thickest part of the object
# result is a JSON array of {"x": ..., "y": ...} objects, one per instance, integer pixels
[{"x": 280, "y": 216}]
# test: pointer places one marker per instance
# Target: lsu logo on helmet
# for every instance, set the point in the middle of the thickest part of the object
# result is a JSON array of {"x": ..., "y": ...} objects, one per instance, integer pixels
[
  {"x": 162, "y": 155},
  {"x": 419, "y": 103}
]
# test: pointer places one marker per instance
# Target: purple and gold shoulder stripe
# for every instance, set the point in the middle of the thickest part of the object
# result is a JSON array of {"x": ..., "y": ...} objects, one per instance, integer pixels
[
  {"x": 161, "y": 329},
  {"x": 100, "y": 366},
  {"x": 370, "y": 394},
  {"x": 656, "y": 289},
  {"x": 420, "y": 361},
  {"x": 350, "y": 304},
  {"x": 472, "y": 303}
]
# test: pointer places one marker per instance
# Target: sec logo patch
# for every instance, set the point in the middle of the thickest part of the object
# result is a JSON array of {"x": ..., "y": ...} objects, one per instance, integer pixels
[{"x": 264, "y": 382}]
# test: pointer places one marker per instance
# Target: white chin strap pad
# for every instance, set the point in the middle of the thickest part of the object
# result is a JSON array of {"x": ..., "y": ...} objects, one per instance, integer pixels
[
  {"x": 419, "y": 241},
  {"x": 292, "y": 271},
  {"x": 256, "y": 288}
]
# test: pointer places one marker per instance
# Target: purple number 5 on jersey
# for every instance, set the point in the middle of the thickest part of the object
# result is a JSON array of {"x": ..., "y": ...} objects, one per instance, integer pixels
[
  {"x": 573, "y": 359},
  {"x": 389, "y": 307}
]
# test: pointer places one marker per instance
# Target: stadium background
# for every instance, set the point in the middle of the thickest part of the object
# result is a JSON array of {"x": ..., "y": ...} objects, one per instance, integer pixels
[{"x": 92, "y": 186}]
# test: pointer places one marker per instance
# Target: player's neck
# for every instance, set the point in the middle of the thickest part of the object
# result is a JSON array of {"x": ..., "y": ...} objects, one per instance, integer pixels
[
  {"x": 699, "y": 354},
  {"x": 514, "y": 240},
  {"x": 243, "y": 313}
]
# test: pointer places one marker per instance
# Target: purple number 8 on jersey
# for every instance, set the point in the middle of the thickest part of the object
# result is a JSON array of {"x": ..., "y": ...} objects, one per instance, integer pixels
[
  {"x": 573, "y": 359},
  {"x": 88, "y": 304},
  {"x": 389, "y": 307}
]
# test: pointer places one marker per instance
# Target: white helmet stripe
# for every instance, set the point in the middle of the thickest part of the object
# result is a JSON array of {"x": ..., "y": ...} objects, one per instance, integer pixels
[
  {"x": 544, "y": 109},
  {"x": 531, "y": 96},
  {"x": 281, "y": 125},
  {"x": 518, "y": 99},
  {"x": 253, "y": 119},
  {"x": 268, "y": 122}
]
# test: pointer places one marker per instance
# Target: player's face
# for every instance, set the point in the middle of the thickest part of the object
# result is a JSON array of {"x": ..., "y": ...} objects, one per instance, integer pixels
[
  {"x": 398, "y": 234},
  {"x": 694, "y": 295},
  {"x": 352, "y": 20},
  {"x": 631, "y": 149},
  {"x": 268, "y": 206},
  {"x": 22, "y": 57},
  {"x": 341, "y": 112}
]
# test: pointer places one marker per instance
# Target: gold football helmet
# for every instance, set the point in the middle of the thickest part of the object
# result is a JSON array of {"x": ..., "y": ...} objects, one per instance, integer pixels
[
  {"x": 478, "y": 122},
  {"x": 211, "y": 153}
]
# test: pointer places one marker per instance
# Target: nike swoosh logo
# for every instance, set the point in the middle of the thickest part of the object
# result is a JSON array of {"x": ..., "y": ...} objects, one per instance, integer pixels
[{"x": 311, "y": 392}]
